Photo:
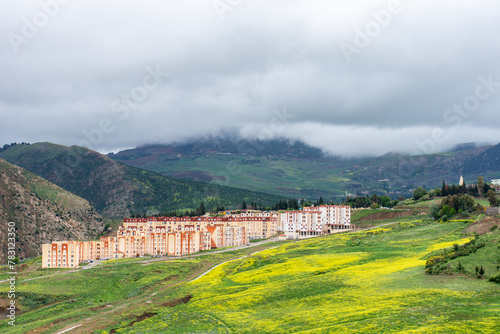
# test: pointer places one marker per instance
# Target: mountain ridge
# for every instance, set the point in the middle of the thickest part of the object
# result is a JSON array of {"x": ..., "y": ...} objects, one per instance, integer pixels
[
  {"x": 298, "y": 170},
  {"x": 117, "y": 190}
]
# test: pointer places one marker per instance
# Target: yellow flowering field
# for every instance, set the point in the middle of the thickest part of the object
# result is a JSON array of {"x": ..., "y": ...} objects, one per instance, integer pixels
[
  {"x": 356, "y": 283},
  {"x": 345, "y": 283}
]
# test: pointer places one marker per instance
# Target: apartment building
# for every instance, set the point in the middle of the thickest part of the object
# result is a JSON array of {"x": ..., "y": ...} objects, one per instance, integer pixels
[
  {"x": 175, "y": 236},
  {"x": 338, "y": 216},
  {"x": 258, "y": 224},
  {"x": 314, "y": 221},
  {"x": 65, "y": 254},
  {"x": 171, "y": 236}
]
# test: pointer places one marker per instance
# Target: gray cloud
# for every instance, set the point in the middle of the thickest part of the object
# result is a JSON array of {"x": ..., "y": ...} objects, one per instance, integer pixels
[{"x": 83, "y": 76}]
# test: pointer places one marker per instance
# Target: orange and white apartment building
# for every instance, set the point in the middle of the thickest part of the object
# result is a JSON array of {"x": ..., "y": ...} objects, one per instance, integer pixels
[
  {"x": 172, "y": 236},
  {"x": 175, "y": 236}
]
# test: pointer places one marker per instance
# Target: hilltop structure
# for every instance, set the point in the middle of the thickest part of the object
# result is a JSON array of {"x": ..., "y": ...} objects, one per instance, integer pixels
[{"x": 176, "y": 236}]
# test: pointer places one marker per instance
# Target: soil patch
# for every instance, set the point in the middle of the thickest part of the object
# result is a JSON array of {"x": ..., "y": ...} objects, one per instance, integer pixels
[
  {"x": 4, "y": 303},
  {"x": 178, "y": 301},
  {"x": 170, "y": 278},
  {"x": 483, "y": 226},
  {"x": 140, "y": 318}
]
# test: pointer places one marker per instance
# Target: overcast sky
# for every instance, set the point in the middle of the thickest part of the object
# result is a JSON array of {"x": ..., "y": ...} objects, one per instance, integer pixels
[{"x": 350, "y": 77}]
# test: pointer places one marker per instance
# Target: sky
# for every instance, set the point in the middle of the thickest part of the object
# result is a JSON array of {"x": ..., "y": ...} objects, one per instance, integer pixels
[{"x": 354, "y": 78}]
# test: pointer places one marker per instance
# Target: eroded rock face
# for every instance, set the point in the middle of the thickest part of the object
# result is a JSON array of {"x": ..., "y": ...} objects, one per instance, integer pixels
[{"x": 42, "y": 212}]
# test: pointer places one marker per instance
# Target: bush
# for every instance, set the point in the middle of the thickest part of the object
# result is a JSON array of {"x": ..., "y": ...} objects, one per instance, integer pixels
[
  {"x": 419, "y": 193},
  {"x": 495, "y": 279}
]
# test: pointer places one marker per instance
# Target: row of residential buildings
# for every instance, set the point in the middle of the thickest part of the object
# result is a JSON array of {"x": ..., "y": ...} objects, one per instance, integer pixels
[{"x": 176, "y": 236}]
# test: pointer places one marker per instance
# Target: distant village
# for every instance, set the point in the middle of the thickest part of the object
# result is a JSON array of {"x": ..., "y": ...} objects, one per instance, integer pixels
[{"x": 176, "y": 236}]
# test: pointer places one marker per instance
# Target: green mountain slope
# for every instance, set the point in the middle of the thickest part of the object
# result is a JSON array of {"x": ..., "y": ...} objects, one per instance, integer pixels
[
  {"x": 41, "y": 212},
  {"x": 118, "y": 190},
  {"x": 488, "y": 162},
  {"x": 298, "y": 170}
]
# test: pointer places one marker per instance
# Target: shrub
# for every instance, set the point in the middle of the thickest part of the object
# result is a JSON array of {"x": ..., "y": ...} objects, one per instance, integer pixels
[{"x": 495, "y": 279}]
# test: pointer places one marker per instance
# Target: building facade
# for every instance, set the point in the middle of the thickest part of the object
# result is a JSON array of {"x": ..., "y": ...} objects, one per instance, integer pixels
[
  {"x": 314, "y": 221},
  {"x": 171, "y": 236},
  {"x": 176, "y": 236}
]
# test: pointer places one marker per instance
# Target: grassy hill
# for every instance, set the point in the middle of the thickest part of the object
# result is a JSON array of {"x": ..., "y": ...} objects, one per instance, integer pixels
[
  {"x": 369, "y": 281},
  {"x": 119, "y": 190},
  {"x": 297, "y": 170},
  {"x": 41, "y": 211}
]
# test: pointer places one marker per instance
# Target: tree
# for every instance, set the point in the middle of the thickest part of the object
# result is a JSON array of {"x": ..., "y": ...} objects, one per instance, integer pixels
[
  {"x": 385, "y": 201},
  {"x": 490, "y": 195},
  {"x": 434, "y": 210},
  {"x": 202, "y": 209},
  {"x": 244, "y": 205},
  {"x": 419, "y": 193},
  {"x": 437, "y": 192},
  {"x": 375, "y": 198},
  {"x": 320, "y": 201},
  {"x": 465, "y": 203},
  {"x": 443, "y": 189},
  {"x": 481, "y": 271},
  {"x": 480, "y": 183}
]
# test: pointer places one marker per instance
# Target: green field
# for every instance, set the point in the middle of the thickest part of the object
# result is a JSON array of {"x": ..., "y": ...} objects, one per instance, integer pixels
[{"x": 369, "y": 281}]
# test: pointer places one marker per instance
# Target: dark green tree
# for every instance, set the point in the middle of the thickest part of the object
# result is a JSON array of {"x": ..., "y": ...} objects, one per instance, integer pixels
[
  {"x": 375, "y": 198},
  {"x": 419, "y": 193},
  {"x": 492, "y": 198},
  {"x": 385, "y": 201},
  {"x": 481, "y": 271},
  {"x": 202, "y": 209}
]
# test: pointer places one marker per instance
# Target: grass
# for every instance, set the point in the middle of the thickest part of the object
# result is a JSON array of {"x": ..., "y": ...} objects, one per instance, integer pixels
[{"x": 369, "y": 281}]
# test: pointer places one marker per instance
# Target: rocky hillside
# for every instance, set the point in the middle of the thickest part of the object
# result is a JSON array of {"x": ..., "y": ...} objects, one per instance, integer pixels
[
  {"x": 117, "y": 190},
  {"x": 42, "y": 212}
]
